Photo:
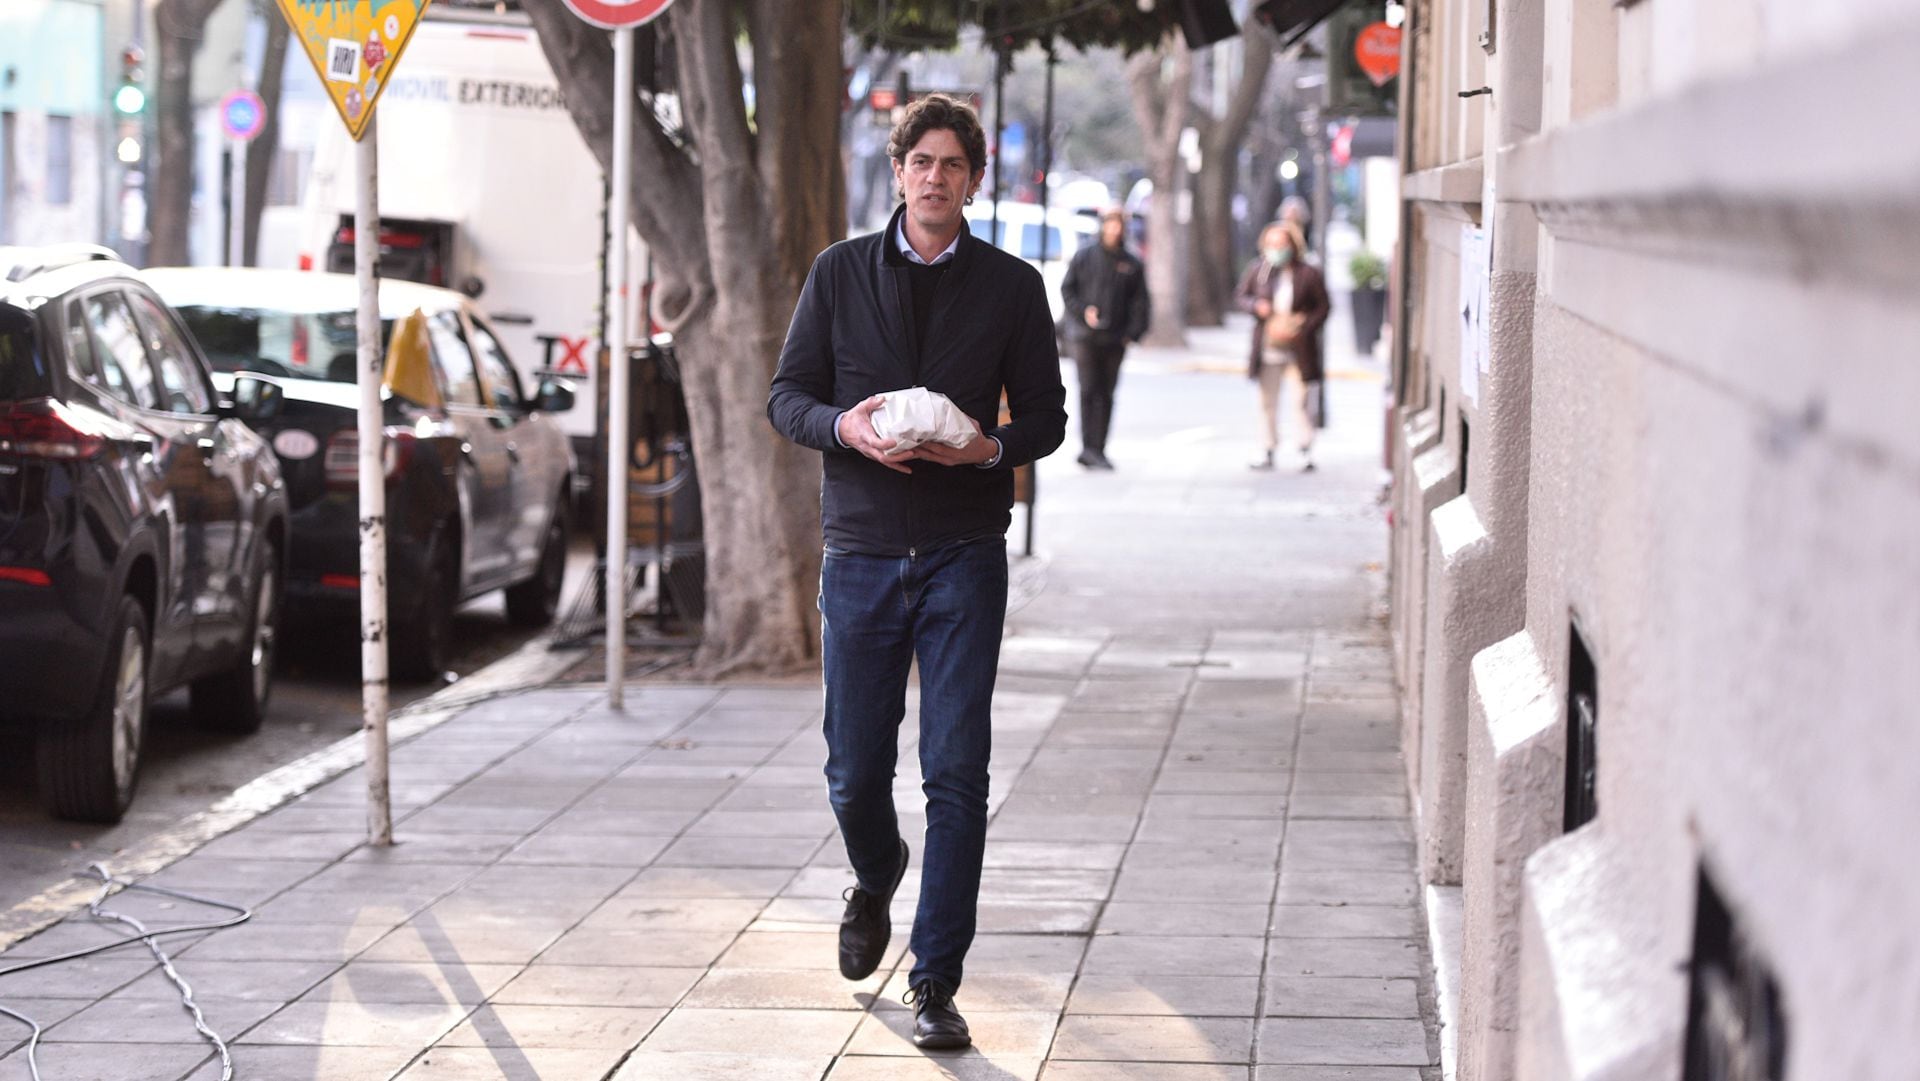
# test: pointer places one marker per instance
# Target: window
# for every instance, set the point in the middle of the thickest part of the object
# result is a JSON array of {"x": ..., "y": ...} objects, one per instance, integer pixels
[
  {"x": 182, "y": 388},
  {"x": 503, "y": 387},
  {"x": 1030, "y": 237},
  {"x": 122, "y": 368},
  {"x": 453, "y": 359},
  {"x": 79, "y": 348},
  {"x": 1583, "y": 714},
  {"x": 1736, "y": 1017},
  {"x": 59, "y": 160}
]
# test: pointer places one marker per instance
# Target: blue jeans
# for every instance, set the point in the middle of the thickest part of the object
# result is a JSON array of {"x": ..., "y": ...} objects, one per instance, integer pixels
[{"x": 946, "y": 607}]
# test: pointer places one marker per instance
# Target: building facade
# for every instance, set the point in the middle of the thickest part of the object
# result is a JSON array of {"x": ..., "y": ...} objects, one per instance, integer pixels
[
  {"x": 55, "y": 122},
  {"x": 1656, "y": 547}
]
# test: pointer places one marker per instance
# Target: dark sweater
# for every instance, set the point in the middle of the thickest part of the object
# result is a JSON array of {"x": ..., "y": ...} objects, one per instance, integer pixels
[{"x": 852, "y": 336}]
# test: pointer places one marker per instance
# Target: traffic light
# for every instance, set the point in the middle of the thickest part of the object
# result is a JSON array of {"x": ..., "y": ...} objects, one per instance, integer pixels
[{"x": 131, "y": 98}]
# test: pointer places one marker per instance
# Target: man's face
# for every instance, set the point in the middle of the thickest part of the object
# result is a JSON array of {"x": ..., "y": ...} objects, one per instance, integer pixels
[
  {"x": 1112, "y": 230},
  {"x": 937, "y": 179}
]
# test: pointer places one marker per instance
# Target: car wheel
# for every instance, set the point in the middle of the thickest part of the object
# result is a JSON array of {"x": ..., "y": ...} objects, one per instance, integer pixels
[
  {"x": 236, "y": 700},
  {"x": 88, "y": 770},
  {"x": 422, "y": 640},
  {"x": 533, "y": 602}
]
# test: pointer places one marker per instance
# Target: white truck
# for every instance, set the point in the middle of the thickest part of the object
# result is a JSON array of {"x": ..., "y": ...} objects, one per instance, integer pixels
[{"x": 485, "y": 187}]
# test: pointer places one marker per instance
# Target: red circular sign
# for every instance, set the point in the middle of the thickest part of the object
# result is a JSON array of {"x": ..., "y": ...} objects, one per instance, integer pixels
[
  {"x": 615, "y": 14},
  {"x": 1377, "y": 51}
]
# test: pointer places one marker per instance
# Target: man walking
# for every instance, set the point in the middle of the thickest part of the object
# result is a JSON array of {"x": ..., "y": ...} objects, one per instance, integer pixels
[
  {"x": 1105, "y": 293},
  {"x": 915, "y": 563}
]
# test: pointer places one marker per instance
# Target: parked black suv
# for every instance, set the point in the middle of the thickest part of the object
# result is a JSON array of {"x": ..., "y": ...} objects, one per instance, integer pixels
[{"x": 142, "y": 526}]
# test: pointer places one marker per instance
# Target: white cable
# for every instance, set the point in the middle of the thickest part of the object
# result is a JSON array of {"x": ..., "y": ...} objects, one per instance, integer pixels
[{"x": 107, "y": 883}]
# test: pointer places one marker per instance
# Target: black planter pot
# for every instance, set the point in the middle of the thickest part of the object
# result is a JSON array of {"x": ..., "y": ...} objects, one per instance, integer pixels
[{"x": 1369, "y": 310}]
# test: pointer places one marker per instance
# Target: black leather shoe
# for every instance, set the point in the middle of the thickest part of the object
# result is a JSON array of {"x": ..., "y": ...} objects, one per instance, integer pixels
[
  {"x": 867, "y": 926},
  {"x": 1100, "y": 461},
  {"x": 937, "y": 1026}
]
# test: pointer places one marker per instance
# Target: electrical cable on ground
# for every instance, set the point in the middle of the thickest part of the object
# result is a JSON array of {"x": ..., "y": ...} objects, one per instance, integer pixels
[{"x": 144, "y": 935}]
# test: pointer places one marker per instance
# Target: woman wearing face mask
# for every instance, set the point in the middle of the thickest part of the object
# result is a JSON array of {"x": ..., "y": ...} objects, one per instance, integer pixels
[{"x": 1288, "y": 300}]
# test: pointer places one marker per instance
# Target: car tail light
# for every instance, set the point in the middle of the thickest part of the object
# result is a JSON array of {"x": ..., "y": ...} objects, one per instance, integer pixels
[
  {"x": 44, "y": 428},
  {"x": 31, "y": 576},
  {"x": 343, "y": 456},
  {"x": 299, "y": 352}
]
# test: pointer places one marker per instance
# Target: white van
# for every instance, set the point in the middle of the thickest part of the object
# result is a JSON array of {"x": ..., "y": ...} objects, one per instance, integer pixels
[
  {"x": 1066, "y": 232},
  {"x": 485, "y": 187}
]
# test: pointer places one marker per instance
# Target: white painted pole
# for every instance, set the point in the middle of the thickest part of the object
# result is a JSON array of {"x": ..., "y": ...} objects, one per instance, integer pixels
[
  {"x": 237, "y": 205},
  {"x": 373, "y": 491},
  {"x": 619, "y": 377}
]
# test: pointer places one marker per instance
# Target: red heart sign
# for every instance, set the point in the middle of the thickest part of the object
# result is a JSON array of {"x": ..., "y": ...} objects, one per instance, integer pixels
[{"x": 1378, "y": 52}]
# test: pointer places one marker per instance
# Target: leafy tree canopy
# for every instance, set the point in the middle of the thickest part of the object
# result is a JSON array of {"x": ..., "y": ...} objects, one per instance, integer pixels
[{"x": 1014, "y": 24}]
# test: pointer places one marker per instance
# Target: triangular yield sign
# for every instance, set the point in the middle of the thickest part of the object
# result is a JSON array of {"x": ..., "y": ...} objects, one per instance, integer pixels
[{"x": 354, "y": 45}]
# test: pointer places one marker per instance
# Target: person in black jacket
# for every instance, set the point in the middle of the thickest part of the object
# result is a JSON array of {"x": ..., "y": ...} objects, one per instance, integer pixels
[
  {"x": 915, "y": 563},
  {"x": 1105, "y": 294}
]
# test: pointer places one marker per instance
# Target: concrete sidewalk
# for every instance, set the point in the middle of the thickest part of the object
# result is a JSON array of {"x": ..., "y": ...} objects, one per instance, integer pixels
[{"x": 1199, "y": 868}]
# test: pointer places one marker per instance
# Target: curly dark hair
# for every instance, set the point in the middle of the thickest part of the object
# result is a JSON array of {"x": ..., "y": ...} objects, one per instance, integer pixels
[{"x": 931, "y": 113}]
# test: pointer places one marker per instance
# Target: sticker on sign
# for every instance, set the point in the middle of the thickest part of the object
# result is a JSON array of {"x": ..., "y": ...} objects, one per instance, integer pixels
[
  {"x": 343, "y": 60},
  {"x": 615, "y": 14}
]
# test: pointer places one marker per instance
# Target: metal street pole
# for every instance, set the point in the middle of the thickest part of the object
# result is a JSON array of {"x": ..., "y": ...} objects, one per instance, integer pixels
[
  {"x": 619, "y": 375},
  {"x": 373, "y": 488},
  {"x": 1000, "y": 65},
  {"x": 1044, "y": 145},
  {"x": 237, "y": 202}
]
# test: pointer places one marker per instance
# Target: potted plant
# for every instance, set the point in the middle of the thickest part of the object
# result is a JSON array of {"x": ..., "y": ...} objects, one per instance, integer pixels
[{"x": 1369, "y": 273}]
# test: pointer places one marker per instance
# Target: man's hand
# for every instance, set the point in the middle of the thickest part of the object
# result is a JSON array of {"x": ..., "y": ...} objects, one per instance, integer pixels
[
  {"x": 855, "y": 428},
  {"x": 1093, "y": 317},
  {"x": 977, "y": 450},
  {"x": 1262, "y": 309}
]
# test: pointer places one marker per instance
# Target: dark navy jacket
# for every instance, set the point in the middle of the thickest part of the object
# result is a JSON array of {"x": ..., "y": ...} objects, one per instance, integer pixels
[{"x": 852, "y": 337}]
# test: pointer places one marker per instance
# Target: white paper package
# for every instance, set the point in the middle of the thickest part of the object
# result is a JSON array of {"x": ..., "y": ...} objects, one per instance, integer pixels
[{"x": 917, "y": 415}]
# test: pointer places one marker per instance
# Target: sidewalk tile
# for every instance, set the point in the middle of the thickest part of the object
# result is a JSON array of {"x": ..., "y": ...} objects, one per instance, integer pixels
[
  {"x": 946, "y": 1067},
  {"x": 1037, "y": 917},
  {"x": 793, "y": 950},
  {"x": 109, "y": 1062},
  {"x": 1175, "y": 955},
  {"x": 989, "y": 991},
  {"x": 1183, "y": 918},
  {"x": 673, "y": 914},
  {"x": 1335, "y": 1073},
  {"x": 614, "y": 1028},
  {"x": 1346, "y": 921},
  {"x": 1294, "y": 996},
  {"x": 512, "y": 1064},
  {"x": 425, "y": 983},
  {"x": 1193, "y": 884},
  {"x": 638, "y": 949},
  {"x": 1143, "y": 1071},
  {"x": 118, "y": 1020},
  {"x": 598, "y": 985},
  {"x": 1152, "y": 993},
  {"x": 1345, "y": 957},
  {"x": 1049, "y": 855},
  {"x": 468, "y": 849},
  {"x": 742, "y": 882},
  {"x": 1038, "y": 954},
  {"x": 254, "y": 1062},
  {"x": 802, "y": 1033},
  {"x": 88, "y": 978},
  {"x": 264, "y": 940},
  {"x": 1013, "y": 1035},
  {"x": 1343, "y": 1042},
  {"x": 1346, "y": 888},
  {"x": 781, "y": 989},
  {"x": 793, "y": 852},
  {"x": 554, "y": 848},
  {"x": 452, "y": 939},
  {"x": 353, "y": 1024},
  {"x": 647, "y": 1065},
  {"x": 1155, "y": 1039},
  {"x": 258, "y": 981}
]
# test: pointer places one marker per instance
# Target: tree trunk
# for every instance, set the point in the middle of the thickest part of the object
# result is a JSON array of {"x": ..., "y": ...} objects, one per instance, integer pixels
[
  {"x": 266, "y": 145},
  {"x": 734, "y": 234},
  {"x": 1212, "y": 243},
  {"x": 178, "y": 28},
  {"x": 1161, "y": 111},
  {"x": 1212, "y": 274}
]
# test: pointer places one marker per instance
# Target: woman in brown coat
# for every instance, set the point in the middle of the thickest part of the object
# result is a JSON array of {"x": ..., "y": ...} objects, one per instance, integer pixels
[{"x": 1288, "y": 300}]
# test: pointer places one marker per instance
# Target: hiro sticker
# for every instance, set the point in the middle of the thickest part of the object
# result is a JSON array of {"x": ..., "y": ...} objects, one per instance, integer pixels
[{"x": 343, "y": 60}]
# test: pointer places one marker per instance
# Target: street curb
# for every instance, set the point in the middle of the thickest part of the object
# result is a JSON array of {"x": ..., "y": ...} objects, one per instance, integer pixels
[{"x": 530, "y": 667}]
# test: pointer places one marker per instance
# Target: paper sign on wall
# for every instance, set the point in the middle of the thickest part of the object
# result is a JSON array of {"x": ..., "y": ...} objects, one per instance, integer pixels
[{"x": 1475, "y": 280}]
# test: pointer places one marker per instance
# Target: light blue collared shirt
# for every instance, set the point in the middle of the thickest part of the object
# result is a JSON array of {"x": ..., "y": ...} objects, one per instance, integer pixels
[{"x": 906, "y": 249}]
